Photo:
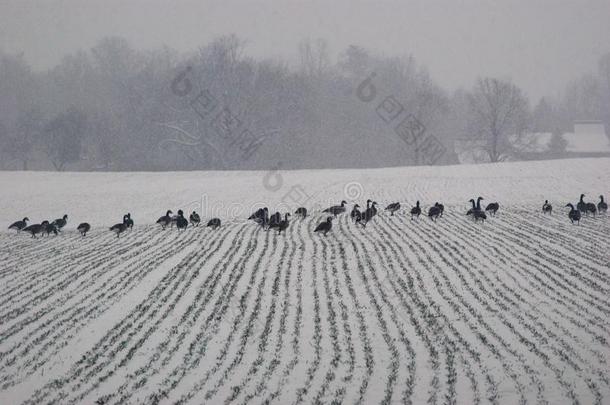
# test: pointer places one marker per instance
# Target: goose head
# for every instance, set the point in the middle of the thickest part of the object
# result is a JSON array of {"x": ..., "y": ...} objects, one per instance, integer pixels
[{"x": 26, "y": 219}]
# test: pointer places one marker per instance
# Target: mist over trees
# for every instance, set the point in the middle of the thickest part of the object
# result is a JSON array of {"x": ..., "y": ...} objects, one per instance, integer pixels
[{"x": 117, "y": 108}]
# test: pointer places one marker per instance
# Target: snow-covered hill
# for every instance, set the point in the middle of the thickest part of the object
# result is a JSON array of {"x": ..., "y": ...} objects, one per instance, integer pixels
[{"x": 515, "y": 310}]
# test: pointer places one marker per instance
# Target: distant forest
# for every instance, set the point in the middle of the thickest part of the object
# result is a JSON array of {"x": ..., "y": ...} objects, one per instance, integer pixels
[{"x": 116, "y": 108}]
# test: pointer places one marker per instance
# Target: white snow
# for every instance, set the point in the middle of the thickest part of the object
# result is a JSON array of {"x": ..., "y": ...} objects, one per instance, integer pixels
[{"x": 513, "y": 310}]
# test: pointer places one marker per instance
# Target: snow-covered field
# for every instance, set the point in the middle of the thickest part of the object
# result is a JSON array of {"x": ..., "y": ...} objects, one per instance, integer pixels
[{"x": 516, "y": 310}]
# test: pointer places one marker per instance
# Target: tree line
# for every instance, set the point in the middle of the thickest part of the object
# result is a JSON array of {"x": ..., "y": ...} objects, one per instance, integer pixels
[{"x": 117, "y": 108}]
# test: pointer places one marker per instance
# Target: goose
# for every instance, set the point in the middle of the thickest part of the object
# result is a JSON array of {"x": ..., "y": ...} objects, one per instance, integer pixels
[
  {"x": 368, "y": 215},
  {"x": 283, "y": 224},
  {"x": 302, "y": 211},
  {"x": 441, "y": 207},
  {"x": 261, "y": 216},
  {"x": 258, "y": 214},
  {"x": 128, "y": 221},
  {"x": 19, "y": 225},
  {"x": 479, "y": 216},
  {"x": 415, "y": 211},
  {"x": 492, "y": 208},
  {"x": 479, "y": 203},
  {"x": 355, "y": 215},
  {"x": 574, "y": 214},
  {"x": 325, "y": 226},
  {"x": 473, "y": 209},
  {"x": 546, "y": 207},
  {"x": 336, "y": 209},
  {"x": 50, "y": 228},
  {"x": 165, "y": 220},
  {"x": 434, "y": 212},
  {"x": 214, "y": 223},
  {"x": 581, "y": 206},
  {"x": 36, "y": 228},
  {"x": 181, "y": 222},
  {"x": 374, "y": 208},
  {"x": 274, "y": 220},
  {"x": 195, "y": 219},
  {"x": 83, "y": 228},
  {"x": 601, "y": 205},
  {"x": 393, "y": 208},
  {"x": 122, "y": 227},
  {"x": 60, "y": 222},
  {"x": 590, "y": 208}
]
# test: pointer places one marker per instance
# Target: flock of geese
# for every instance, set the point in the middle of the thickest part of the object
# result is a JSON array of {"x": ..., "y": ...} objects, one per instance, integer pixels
[{"x": 280, "y": 222}]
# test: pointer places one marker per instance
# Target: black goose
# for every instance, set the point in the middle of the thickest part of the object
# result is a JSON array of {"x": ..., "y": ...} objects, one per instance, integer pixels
[
  {"x": 441, "y": 207},
  {"x": 325, "y": 226},
  {"x": 547, "y": 208},
  {"x": 355, "y": 214},
  {"x": 302, "y": 211},
  {"x": 60, "y": 222},
  {"x": 416, "y": 211},
  {"x": 19, "y": 225},
  {"x": 195, "y": 219},
  {"x": 479, "y": 216},
  {"x": 122, "y": 227},
  {"x": 261, "y": 216},
  {"x": 128, "y": 221},
  {"x": 257, "y": 214},
  {"x": 336, "y": 209},
  {"x": 214, "y": 223},
  {"x": 35, "y": 229},
  {"x": 574, "y": 214},
  {"x": 50, "y": 228},
  {"x": 283, "y": 225},
  {"x": 581, "y": 206},
  {"x": 274, "y": 220},
  {"x": 591, "y": 209},
  {"x": 434, "y": 212},
  {"x": 181, "y": 222},
  {"x": 601, "y": 205},
  {"x": 368, "y": 215},
  {"x": 165, "y": 220},
  {"x": 473, "y": 209},
  {"x": 83, "y": 228},
  {"x": 492, "y": 208},
  {"x": 393, "y": 207}
]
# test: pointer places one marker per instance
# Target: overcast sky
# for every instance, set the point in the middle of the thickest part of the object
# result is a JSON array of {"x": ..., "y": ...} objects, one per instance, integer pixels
[{"x": 539, "y": 44}]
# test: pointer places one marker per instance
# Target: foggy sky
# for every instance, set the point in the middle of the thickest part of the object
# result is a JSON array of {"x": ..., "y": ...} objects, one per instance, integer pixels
[{"x": 540, "y": 45}]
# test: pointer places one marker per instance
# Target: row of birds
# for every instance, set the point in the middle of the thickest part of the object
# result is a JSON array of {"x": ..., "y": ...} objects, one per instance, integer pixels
[
  {"x": 54, "y": 227},
  {"x": 276, "y": 221},
  {"x": 582, "y": 207}
]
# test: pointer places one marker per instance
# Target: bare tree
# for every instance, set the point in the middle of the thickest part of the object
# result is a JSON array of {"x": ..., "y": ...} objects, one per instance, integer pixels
[{"x": 498, "y": 113}]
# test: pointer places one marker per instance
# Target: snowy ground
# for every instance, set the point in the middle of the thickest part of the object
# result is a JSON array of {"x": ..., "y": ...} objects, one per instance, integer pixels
[{"x": 513, "y": 311}]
